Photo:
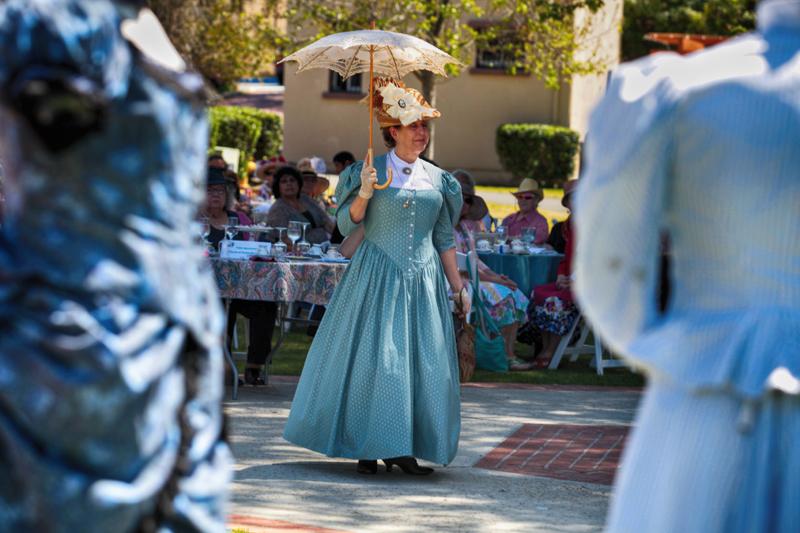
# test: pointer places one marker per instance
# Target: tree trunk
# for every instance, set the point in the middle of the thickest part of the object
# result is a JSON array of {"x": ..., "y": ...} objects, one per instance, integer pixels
[{"x": 428, "y": 80}]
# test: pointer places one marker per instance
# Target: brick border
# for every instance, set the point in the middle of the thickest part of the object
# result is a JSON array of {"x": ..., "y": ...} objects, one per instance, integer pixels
[
  {"x": 583, "y": 453},
  {"x": 263, "y": 525}
]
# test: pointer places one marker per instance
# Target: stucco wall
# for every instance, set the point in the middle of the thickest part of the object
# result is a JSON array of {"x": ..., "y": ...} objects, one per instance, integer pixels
[{"x": 472, "y": 106}]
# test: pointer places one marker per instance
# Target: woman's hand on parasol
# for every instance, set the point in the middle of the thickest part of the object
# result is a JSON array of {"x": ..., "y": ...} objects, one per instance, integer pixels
[{"x": 369, "y": 178}]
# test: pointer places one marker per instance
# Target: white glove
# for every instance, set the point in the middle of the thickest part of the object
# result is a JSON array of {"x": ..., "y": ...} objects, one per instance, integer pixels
[
  {"x": 463, "y": 301},
  {"x": 369, "y": 178}
]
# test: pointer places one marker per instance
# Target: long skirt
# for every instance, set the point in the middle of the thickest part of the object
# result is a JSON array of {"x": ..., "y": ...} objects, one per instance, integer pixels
[{"x": 710, "y": 462}]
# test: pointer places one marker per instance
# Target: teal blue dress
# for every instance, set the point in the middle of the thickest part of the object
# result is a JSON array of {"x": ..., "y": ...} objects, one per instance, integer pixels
[{"x": 381, "y": 377}]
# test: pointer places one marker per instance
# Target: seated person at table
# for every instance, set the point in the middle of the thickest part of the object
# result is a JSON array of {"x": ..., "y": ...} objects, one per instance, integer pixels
[
  {"x": 291, "y": 205},
  {"x": 314, "y": 187},
  {"x": 505, "y": 302},
  {"x": 528, "y": 196},
  {"x": 260, "y": 314},
  {"x": 557, "y": 239},
  {"x": 552, "y": 308}
]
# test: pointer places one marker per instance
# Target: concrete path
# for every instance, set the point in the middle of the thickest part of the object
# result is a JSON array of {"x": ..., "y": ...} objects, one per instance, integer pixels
[{"x": 279, "y": 486}]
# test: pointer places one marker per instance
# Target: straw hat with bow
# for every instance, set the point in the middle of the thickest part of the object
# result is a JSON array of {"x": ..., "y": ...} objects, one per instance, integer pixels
[{"x": 398, "y": 105}]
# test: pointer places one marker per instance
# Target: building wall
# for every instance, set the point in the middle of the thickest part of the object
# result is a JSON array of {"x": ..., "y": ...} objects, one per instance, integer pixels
[{"x": 472, "y": 107}]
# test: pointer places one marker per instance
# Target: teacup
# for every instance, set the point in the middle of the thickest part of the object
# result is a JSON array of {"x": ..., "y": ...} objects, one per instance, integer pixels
[{"x": 315, "y": 250}]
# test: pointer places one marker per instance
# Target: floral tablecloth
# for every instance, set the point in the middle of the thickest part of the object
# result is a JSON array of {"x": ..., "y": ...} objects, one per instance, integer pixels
[{"x": 295, "y": 281}]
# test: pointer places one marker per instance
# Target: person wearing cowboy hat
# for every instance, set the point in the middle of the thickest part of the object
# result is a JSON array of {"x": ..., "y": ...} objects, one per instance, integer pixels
[
  {"x": 499, "y": 292},
  {"x": 381, "y": 380},
  {"x": 314, "y": 186},
  {"x": 528, "y": 196}
]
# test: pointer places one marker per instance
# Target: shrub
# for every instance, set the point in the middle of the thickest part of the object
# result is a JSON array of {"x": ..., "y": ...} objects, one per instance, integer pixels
[
  {"x": 270, "y": 140},
  {"x": 254, "y": 132},
  {"x": 539, "y": 151}
]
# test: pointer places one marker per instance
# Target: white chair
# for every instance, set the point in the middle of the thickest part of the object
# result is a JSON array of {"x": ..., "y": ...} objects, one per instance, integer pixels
[{"x": 581, "y": 347}]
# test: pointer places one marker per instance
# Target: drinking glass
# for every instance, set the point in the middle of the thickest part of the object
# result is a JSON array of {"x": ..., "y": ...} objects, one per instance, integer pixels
[
  {"x": 303, "y": 241},
  {"x": 279, "y": 248},
  {"x": 231, "y": 230},
  {"x": 502, "y": 234},
  {"x": 529, "y": 236},
  {"x": 205, "y": 230},
  {"x": 295, "y": 230},
  {"x": 303, "y": 247}
]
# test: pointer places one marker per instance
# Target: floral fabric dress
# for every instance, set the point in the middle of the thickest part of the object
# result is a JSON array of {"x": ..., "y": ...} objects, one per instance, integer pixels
[
  {"x": 381, "y": 378},
  {"x": 505, "y": 305},
  {"x": 552, "y": 309}
]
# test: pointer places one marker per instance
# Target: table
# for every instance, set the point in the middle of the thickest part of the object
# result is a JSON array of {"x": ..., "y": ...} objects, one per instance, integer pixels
[
  {"x": 294, "y": 281},
  {"x": 527, "y": 271},
  {"x": 281, "y": 282}
]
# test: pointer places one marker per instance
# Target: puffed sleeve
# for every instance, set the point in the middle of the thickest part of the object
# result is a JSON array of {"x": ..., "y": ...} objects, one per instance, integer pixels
[
  {"x": 346, "y": 191},
  {"x": 620, "y": 203},
  {"x": 448, "y": 214}
]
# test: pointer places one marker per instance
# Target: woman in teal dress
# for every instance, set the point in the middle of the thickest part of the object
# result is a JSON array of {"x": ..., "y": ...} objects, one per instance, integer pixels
[{"x": 381, "y": 378}]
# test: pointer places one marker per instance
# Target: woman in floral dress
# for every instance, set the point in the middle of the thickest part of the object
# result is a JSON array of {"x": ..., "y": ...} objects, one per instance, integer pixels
[{"x": 505, "y": 302}]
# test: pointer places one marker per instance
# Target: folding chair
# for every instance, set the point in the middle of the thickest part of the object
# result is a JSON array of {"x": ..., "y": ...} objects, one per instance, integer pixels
[{"x": 581, "y": 347}]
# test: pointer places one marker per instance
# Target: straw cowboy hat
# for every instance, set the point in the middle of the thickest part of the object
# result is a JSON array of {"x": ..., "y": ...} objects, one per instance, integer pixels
[
  {"x": 321, "y": 183},
  {"x": 398, "y": 105},
  {"x": 477, "y": 207},
  {"x": 529, "y": 185}
]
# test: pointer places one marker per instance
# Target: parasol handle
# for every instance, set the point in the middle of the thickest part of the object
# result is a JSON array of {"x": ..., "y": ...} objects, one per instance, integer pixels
[
  {"x": 371, "y": 90},
  {"x": 388, "y": 179}
]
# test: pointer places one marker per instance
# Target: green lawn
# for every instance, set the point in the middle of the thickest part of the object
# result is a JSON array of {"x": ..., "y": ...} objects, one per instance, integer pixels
[
  {"x": 548, "y": 193},
  {"x": 292, "y": 355}
]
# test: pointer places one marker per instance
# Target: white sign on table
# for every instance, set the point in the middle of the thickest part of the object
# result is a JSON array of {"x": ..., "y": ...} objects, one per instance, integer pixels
[{"x": 243, "y": 249}]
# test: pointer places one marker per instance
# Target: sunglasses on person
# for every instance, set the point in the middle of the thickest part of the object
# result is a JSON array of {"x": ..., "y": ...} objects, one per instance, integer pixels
[{"x": 526, "y": 197}]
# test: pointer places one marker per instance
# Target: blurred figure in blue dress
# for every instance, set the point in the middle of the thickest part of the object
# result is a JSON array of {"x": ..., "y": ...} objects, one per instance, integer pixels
[
  {"x": 704, "y": 148},
  {"x": 110, "y": 324}
]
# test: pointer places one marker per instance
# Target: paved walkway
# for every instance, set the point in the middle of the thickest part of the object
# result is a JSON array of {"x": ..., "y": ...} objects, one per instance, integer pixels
[{"x": 531, "y": 458}]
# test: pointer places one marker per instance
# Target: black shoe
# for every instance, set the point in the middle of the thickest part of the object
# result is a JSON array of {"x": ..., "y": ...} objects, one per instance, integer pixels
[
  {"x": 367, "y": 467},
  {"x": 252, "y": 376},
  {"x": 408, "y": 465}
]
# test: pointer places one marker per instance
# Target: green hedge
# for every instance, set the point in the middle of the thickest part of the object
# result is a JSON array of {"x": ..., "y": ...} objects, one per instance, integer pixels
[
  {"x": 539, "y": 151},
  {"x": 254, "y": 132},
  {"x": 270, "y": 141}
]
